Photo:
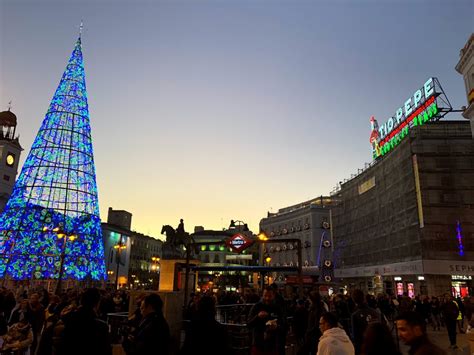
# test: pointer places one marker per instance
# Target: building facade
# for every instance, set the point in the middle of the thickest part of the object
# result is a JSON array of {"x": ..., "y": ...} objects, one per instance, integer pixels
[
  {"x": 221, "y": 255},
  {"x": 309, "y": 222},
  {"x": 406, "y": 223},
  {"x": 132, "y": 257},
  {"x": 465, "y": 67}
]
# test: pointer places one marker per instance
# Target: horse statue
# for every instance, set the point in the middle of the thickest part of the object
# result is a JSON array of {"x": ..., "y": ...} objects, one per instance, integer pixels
[
  {"x": 170, "y": 234},
  {"x": 175, "y": 240}
]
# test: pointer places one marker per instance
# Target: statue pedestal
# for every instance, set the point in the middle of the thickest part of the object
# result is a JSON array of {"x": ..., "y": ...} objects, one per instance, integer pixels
[{"x": 173, "y": 275}]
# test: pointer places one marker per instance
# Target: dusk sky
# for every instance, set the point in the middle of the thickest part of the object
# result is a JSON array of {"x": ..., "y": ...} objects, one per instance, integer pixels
[{"x": 218, "y": 110}]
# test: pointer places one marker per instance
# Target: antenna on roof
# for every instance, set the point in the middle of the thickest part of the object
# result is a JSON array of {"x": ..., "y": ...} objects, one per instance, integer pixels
[{"x": 9, "y": 105}]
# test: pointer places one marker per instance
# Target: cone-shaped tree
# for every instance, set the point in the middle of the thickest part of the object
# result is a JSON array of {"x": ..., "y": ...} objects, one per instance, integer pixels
[{"x": 51, "y": 226}]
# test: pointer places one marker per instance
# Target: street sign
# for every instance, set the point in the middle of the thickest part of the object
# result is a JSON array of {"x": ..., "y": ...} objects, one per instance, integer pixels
[{"x": 239, "y": 242}]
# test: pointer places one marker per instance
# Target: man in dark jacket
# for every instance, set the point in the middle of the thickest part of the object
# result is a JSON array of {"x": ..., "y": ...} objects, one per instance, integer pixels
[
  {"x": 361, "y": 318},
  {"x": 153, "y": 334},
  {"x": 450, "y": 311},
  {"x": 205, "y": 330},
  {"x": 84, "y": 332},
  {"x": 266, "y": 321},
  {"x": 411, "y": 329}
]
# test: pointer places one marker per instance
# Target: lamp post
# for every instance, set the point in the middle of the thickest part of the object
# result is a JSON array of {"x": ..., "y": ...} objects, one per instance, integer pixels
[
  {"x": 155, "y": 267},
  {"x": 119, "y": 247},
  {"x": 65, "y": 237}
]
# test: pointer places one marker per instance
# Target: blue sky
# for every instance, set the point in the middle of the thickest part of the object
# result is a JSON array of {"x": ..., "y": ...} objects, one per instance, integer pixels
[{"x": 219, "y": 110}]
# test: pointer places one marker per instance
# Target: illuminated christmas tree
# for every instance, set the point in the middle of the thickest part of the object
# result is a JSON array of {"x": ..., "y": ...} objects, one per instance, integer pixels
[{"x": 50, "y": 228}]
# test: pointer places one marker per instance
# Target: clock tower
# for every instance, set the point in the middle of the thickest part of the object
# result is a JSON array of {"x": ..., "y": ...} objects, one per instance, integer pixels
[{"x": 10, "y": 151}]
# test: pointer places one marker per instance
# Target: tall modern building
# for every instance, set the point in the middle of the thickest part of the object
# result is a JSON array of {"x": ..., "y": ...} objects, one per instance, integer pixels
[
  {"x": 50, "y": 228},
  {"x": 10, "y": 150}
]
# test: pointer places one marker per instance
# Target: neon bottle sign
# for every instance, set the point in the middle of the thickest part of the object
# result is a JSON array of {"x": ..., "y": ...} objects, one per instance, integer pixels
[{"x": 416, "y": 110}]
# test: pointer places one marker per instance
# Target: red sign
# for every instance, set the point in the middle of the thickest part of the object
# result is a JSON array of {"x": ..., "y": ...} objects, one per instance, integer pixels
[{"x": 239, "y": 242}]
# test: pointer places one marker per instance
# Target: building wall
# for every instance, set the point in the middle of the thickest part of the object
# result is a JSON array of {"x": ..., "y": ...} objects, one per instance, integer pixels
[
  {"x": 143, "y": 271},
  {"x": 399, "y": 217},
  {"x": 380, "y": 224},
  {"x": 303, "y": 221},
  {"x": 445, "y": 155},
  {"x": 465, "y": 67}
]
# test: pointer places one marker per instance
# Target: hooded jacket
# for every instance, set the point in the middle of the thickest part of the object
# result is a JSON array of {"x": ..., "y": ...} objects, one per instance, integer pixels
[{"x": 335, "y": 341}]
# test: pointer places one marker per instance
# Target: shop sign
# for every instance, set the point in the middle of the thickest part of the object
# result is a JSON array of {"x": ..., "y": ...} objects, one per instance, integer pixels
[
  {"x": 239, "y": 242},
  {"x": 461, "y": 277}
]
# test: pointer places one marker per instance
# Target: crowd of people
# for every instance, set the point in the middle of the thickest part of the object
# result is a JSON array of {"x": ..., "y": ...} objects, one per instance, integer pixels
[
  {"x": 355, "y": 323},
  {"x": 36, "y": 322}
]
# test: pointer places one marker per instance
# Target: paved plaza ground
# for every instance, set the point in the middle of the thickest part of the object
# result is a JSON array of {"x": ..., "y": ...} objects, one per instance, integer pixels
[{"x": 441, "y": 339}]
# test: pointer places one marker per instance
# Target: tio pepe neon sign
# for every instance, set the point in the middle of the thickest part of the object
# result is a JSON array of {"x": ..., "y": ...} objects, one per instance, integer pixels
[{"x": 416, "y": 110}]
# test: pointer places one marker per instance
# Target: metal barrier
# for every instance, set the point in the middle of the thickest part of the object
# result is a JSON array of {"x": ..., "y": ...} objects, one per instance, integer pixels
[
  {"x": 118, "y": 326},
  {"x": 233, "y": 313}
]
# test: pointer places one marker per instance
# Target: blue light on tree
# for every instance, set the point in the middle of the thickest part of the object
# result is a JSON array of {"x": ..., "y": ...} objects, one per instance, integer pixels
[{"x": 50, "y": 227}]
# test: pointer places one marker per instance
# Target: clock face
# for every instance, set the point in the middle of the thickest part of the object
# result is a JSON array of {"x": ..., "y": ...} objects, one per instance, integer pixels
[{"x": 10, "y": 159}]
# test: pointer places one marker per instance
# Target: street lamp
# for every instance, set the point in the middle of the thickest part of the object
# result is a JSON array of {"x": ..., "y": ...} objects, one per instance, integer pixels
[{"x": 119, "y": 247}]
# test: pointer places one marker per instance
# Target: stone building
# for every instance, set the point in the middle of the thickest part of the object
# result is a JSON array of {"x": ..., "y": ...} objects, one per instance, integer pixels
[
  {"x": 309, "y": 222},
  {"x": 132, "y": 256},
  {"x": 220, "y": 256},
  {"x": 406, "y": 223},
  {"x": 465, "y": 67}
]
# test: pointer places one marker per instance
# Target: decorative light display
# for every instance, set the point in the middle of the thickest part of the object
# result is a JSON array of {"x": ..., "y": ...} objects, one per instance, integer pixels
[
  {"x": 459, "y": 236},
  {"x": 426, "y": 104},
  {"x": 50, "y": 227}
]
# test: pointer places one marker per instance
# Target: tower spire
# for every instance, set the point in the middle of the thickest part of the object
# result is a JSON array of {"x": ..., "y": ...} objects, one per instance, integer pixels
[{"x": 81, "y": 27}]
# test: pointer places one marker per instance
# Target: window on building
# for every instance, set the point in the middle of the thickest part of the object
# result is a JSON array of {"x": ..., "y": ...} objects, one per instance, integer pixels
[{"x": 217, "y": 259}]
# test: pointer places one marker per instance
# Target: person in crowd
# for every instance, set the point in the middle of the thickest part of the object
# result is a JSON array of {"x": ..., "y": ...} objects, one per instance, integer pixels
[
  {"x": 411, "y": 329},
  {"x": 378, "y": 340},
  {"x": 450, "y": 312},
  {"x": 205, "y": 330},
  {"x": 361, "y": 318},
  {"x": 153, "y": 334},
  {"x": 469, "y": 308},
  {"x": 18, "y": 338},
  {"x": 299, "y": 325},
  {"x": 313, "y": 332},
  {"x": 44, "y": 298},
  {"x": 405, "y": 303},
  {"x": 191, "y": 309},
  {"x": 9, "y": 304},
  {"x": 334, "y": 340},
  {"x": 342, "y": 312},
  {"x": 461, "y": 314},
  {"x": 84, "y": 332},
  {"x": 20, "y": 311},
  {"x": 282, "y": 329},
  {"x": 265, "y": 322},
  {"x": 37, "y": 318},
  {"x": 435, "y": 313}
]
